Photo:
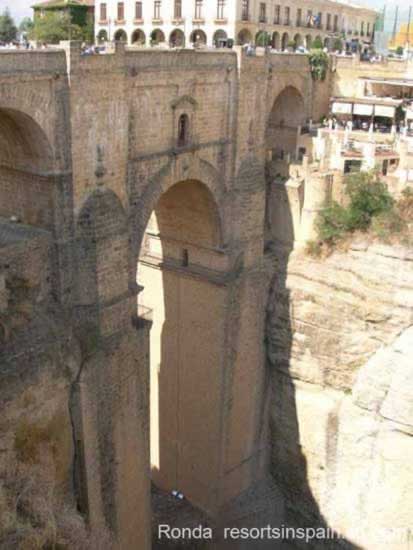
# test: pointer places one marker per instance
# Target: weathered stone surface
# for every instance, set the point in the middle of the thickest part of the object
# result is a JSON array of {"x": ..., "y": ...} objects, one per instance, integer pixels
[{"x": 349, "y": 386}]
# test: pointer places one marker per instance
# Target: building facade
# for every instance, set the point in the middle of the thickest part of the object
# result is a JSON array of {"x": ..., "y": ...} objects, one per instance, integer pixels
[{"x": 212, "y": 22}]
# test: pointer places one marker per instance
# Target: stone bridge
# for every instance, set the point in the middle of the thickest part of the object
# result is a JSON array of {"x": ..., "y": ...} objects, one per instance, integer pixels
[{"x": 140, "y": 177}]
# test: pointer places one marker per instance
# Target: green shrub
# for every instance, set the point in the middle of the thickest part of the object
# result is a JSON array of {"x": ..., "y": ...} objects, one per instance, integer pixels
[
  {"x": 263, "y": 39},
  {"x": 318, "y": 64},
  {"x": 332, "y": 223},
  {"x": 317, "y": 44},
  {"x": 400, "y": 50},
  {"x": 368, "y": 200},
  {"x": 369, "y": 197}
]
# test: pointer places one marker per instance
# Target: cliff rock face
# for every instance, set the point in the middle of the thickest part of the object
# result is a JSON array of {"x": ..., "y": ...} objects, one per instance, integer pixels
[{"x": 340, "y": 348}]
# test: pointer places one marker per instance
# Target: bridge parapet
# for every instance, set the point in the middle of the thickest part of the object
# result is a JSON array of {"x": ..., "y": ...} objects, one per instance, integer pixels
[{"x": 32, "y": 62}]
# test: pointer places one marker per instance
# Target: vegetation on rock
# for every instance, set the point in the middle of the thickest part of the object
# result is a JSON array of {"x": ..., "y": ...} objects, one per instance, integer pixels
[{"x": 369, "y": 209}]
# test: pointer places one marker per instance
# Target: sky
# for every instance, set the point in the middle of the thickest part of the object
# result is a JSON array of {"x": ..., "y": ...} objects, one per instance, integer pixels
[{"x": 21, "y": 8}]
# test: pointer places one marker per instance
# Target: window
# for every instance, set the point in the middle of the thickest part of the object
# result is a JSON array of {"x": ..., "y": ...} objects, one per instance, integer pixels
[
  {"x": 245, "y": 10},
  {"x": 320, "y": 20},
  {"x": 262, "y": 18},
  {"x": 286, "y": 16},
  {"x": 157, "y": 9},
  {"x": 368, "y": 29},
  {"x": 220, "y": 9},
  {"x": 335, "y": 28},
  {"x": 138, "y": 10},
  {"x": 277, "y": 15},
  {"x": 310, "y": 19},
  {"x": 178, "y": 9},
  {"x": 183, "y": 126},
  {"x": 299, "y": 17},
  {"x": 198, "y": 9},
  {"x": 121, "y": 11},
  {"x": 103, "y": 12},
  {"x": 329, "y": 21},
  {"x": 362, "y": 28},
  {"x": 185, "y": 257}
]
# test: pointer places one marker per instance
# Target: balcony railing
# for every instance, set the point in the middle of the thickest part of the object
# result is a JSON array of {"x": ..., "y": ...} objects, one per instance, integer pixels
[
  {"x": 262, "y": 19},
  {"x": 245, "y": 17}
]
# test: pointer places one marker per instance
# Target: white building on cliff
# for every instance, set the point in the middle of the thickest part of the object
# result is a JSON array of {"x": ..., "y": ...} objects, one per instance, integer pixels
[{"x": 211, "y": 22}]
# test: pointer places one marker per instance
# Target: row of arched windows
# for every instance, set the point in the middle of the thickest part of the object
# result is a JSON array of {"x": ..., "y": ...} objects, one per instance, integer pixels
[
  {"x": 157, "y": 36},
  {"x": 279, "y": 41},
  {"x": 177, "y": 39}
]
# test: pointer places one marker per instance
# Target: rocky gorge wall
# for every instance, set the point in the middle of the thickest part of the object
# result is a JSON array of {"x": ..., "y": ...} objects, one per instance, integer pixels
[{"x": 339, "y": 345}]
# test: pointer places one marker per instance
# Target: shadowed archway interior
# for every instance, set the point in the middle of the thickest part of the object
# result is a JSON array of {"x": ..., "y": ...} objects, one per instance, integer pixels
[
  {"x": 26, "y": 160},
  {"x": 179, "y": 256}
]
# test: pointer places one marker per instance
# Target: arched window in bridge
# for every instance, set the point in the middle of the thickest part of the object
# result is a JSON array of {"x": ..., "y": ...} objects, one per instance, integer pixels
[{"x": 183, "y": 130}]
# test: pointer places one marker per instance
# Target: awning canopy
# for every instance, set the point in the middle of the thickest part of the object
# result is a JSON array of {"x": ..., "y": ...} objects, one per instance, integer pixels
[
  {"x": 365, "y": 106},
  {"x": 392, "y": 82},
  {"x": 342, "y": 108},
  {"x": 363, "y": 109}
]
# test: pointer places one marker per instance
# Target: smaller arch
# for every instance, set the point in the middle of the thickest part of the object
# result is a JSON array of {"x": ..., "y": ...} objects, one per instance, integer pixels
[
  {"x": 298, "y": 40},
  {"x": 102, "y": 36},
  {"x": 327, "y": 42},
  {"x": 177, "y": 39},
  {"x": 219, "y": 36},
  {"x": 157, "y": 37},
  {"x": 244, "y": 37},
  {"x": 284, "y": 41},
  {"x": 138, "y": 37},
  {"x": 262, "y": 39},
  {"x": 183, "y": 130},
  {"x": 120, "y": 36},
  {"x": 276, "y": 41},
  {"x": 317, "y": 42},
  {"x": 308, "y": 41},
  {"x": 198, "y": 37}
]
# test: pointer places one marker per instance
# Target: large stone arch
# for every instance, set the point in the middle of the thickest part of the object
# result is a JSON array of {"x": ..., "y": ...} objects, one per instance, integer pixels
[
  {"x": 290, "y": 105},
  {"x": 172, "y": 173},
  {"x": 288, "y": 113},
  {"x": 38, "y": 106},
  {"x": 27, "y": 191},
  {"x": 179, "y": 277}
]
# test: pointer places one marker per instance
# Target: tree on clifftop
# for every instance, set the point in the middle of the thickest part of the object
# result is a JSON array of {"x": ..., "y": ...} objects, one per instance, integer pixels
[
  {"x": 54, "y": 27},
  {"x": 8, "y": 30}
]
